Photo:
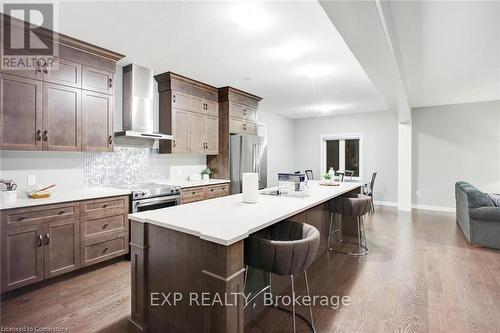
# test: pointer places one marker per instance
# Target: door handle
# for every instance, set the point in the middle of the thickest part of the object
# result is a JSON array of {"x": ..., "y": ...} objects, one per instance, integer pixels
[
  {"x": 40, "y": 240},
  {"x": 47, "y": 238},
  {"x": 110, "y": 83},
  {"x": 110, "y": 140},
  {"x": 174, "y": 98},
  {"x": 174, "y": 143},
  {"x": 45, "y": 135},
  {"x": 38, "y": 135}
]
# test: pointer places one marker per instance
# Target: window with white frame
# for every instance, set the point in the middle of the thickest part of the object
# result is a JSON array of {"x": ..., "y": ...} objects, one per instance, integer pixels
[{"x": 342, "y": 152}]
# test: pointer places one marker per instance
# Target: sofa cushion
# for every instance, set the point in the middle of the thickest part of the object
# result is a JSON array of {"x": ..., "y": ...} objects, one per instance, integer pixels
[
  {"x": 495, "y": 198},
  {"x": 476, "y": 198},
  {"x": 485, "y": 213}
]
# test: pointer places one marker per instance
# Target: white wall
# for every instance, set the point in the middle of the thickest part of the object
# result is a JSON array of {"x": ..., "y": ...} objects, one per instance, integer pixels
[
  {"x": 455, "y": 142},
  {"x": 280, "y": 145},
  {"x": 65, "y": 169},
  {"x": 380, "y": 143}
]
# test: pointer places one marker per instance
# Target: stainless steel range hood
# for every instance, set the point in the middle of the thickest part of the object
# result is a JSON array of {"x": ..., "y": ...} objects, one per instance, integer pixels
[{"x": 138, "y": 104}]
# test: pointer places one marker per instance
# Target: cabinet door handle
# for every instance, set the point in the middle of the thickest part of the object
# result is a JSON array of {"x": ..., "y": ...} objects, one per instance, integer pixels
[
  {"x": 211, "y": 190},
  {"x": 110, "y": 139},
  {"x": 38, "y": 135},
  {"x": 46, "y": 70},
  {"x": 105, "y": 225},
  {"x": 47, "y": 238},
  {"x": 61, "y": 212},
  {"x": 45, "y": 135},
  {"x": 110, "y": 82},
  {"x": 193, "y": 193},
  {"x": 40, "y": 241},
  {"x": 174, "y": 98},
  {"x": 105, "y": 250},
  {"x": 22, "y": 218},
  {"x": 105, "y": 205},
  {"x": 174, "y": 143}
]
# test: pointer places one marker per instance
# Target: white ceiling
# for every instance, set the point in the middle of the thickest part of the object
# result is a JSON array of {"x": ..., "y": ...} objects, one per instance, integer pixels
[
  {"x": 450, "y": 50},
  {"x": 289, "y": 53}
]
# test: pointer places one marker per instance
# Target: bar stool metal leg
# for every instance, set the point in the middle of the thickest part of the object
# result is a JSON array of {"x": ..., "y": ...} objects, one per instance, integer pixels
[
  {"x": 330, "y": 233},
  {"x": 362, "y": 248},
  {"x": 310, "y": 306},
  {"x": 293, "y": 305}
]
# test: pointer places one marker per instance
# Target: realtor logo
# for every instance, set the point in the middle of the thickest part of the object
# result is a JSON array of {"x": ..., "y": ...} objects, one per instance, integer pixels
[{"x": 28, "y": 37}]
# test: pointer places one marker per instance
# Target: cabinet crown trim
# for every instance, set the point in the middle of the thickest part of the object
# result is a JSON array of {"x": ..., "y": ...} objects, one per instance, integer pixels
[
  {"x": 224, "y": 93},
  {"x": 171, "y": 76},
  {"x": 65, "y": 40}
]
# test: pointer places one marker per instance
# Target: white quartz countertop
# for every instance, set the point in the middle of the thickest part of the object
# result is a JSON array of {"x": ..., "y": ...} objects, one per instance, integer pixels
[
  {"x": 193, "y": 183},
  {"x": 65, "y": 196},
  {"x": 227, "y": 220}
]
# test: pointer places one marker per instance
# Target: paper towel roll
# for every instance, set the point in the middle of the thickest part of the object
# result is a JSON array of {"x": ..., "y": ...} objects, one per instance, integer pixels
[{"x": 250, "y": 187}]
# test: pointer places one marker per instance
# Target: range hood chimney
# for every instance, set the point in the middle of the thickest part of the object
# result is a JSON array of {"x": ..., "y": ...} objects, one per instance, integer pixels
[{"x": 138, "y": 105}]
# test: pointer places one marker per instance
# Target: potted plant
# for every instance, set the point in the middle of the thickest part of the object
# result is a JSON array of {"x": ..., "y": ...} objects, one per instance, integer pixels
[
  {"x": 328, "y": 178},
  {"x": 206, "y": 173}
]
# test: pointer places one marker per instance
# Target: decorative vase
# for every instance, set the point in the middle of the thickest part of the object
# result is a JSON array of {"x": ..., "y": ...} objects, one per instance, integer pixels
[{"x": 206, "y": 177}]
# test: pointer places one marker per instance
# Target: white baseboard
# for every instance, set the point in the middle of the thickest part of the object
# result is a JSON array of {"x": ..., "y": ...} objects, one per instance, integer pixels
[
  {"x": 435, "y": 208},
  {"x": 421, "y": 207},
  {"x": 386, "y": 203}
]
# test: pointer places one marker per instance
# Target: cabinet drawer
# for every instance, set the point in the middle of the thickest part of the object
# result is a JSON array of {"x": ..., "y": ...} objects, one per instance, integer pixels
[
  {"x": 215, "y": 191},
  {"x": 235, "y": 126},
  {"x": 97, "y": 80},
  {"x": 68, "y": 73},
  {"x": 241, "y": 111},
  {"x": 192, "y": 194},
  {"x": 104, "y": 207},
  {"x": 212, "y": 108},
  {"x": 105, "y": 225},
  {"x": 39, "y": 214},
  {"x": 249, "y": 128},
  {"x": 180, "y": 100},
  {"x": 105, "y": 250}
]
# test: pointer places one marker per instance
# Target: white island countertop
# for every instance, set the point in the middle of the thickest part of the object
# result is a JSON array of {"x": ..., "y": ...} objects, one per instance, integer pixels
[
  {"x": 227, "y": 220},
  {"x": 65, "y": 196}
]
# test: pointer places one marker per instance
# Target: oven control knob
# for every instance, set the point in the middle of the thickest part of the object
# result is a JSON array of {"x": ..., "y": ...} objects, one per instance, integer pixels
[
  {"x": 136, "y": 194},
  {"x": 143, "y": 194}
]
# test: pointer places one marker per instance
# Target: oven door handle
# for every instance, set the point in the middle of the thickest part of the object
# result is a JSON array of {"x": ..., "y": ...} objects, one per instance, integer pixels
[{"x": 155, "y": 201}]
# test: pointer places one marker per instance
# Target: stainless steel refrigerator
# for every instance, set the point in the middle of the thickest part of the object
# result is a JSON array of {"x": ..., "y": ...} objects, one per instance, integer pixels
[{"x": 248, "y": 153}]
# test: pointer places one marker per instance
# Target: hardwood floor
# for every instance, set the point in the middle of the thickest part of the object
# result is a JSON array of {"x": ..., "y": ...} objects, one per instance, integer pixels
[{"x": 420, "y": 276}]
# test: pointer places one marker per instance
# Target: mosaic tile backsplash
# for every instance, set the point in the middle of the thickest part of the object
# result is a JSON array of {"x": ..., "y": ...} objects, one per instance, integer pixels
[{"x": 125, "y": 165}]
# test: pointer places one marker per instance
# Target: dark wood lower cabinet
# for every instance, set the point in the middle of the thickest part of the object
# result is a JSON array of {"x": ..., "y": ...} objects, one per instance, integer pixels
[
  {"x": 41, "y": 242},
  {"x": 22, "y": 256},
  {"x": 61, "y": 247}
]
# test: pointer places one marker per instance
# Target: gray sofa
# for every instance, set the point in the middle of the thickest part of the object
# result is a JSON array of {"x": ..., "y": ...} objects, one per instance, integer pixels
[{"x": 478, "y": 215}]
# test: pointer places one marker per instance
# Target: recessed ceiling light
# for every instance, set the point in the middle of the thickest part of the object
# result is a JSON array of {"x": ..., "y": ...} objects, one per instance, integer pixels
[
  {"x": 249, "y": 16},
  {"x": 314, "y": 71},
  {"x": 290, "y": 49}
]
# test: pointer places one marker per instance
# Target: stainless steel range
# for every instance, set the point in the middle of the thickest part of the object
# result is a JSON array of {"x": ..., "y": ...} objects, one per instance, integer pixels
[{"x": 149, "y": 196}]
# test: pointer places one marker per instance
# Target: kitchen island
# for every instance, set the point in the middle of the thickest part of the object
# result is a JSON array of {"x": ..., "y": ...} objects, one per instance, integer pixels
[{"x": 184, "y": 251}]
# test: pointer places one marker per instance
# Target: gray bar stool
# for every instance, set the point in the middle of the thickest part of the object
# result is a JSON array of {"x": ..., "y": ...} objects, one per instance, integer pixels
[
  {"x": 286, "y": 248},
  {"x": 357, "y": 205}
]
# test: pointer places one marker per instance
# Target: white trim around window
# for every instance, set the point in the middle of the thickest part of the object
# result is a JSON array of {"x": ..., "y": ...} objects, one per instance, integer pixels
[{"x": 343, "y": 136}]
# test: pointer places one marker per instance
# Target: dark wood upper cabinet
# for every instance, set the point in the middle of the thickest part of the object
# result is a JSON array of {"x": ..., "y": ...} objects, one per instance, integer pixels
[
  {"x": 61, "y": 118},
  {"x": 20, "y": 113},
  {"x": 68, "y": 73},
  {"x": 22, "y": 256},
  {"x": 97, "y": 121},
  {"x": 61, "y": 246},
  {"x": 98, "y": 80},
  {"x": 41, "y": 108},
  {"x": 189, "y": 111}
]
